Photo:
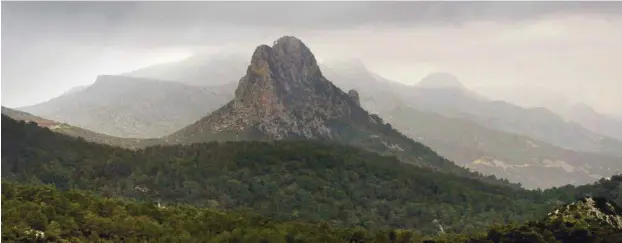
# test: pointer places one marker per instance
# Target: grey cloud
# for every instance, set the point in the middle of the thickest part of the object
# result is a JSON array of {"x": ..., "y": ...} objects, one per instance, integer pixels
[
  {"x": 192, "y": 22},
  {"x": 48, "y": 47}
]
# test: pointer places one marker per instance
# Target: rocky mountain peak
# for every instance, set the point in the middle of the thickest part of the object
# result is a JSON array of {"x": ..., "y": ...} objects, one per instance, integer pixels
[
  {"x": 287, "y": 68},
  {"x": 290, "y": 45},
  {"x": 284, "y": 94}
]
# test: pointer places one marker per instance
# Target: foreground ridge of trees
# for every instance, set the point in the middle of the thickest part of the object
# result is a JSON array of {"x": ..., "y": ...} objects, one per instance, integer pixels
[
  {"x": 287, "y": 180},
  {"x": 44, "y": 214}
]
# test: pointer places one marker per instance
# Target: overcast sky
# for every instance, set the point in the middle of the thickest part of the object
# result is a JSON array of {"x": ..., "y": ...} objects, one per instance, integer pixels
[{"x": 571, "y": 48}]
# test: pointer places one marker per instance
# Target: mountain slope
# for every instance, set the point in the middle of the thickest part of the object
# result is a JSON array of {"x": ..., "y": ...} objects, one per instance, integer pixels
[
  {"x": 442, "y": 93},
  {"x": 25, "y": 208},
  {"x": 571, "y": 110},
  {"x": 454, "y": 101},
  {"x": 532, "y": 163},
  {"x": 538, "y": 123},
  {"x": 132, "y": 107},
  {"x": 596, "y": 122},
  {"x": 199, "y": 70},
  {"x": 305, "y": 180},
  {"x": 74, "y": 131},
  {"x": 376, "y": 94},
  {"x": 285, "y": 96}
]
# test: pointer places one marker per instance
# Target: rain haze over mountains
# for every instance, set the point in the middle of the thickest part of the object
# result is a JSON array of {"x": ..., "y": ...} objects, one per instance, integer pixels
[
  {"x": 475, "y": 81},
  {"x": 564, "y": 50}
]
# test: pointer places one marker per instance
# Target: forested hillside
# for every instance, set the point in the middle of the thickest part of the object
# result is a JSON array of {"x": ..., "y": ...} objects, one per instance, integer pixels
[
  {"x": 288, "y": 180},
  {"x": 610, "y": 188},
  {"x": 44, "y": 214}
]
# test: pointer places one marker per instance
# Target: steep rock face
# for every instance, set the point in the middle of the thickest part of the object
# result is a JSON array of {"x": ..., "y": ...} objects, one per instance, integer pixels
[
  {"x": 354, "y": 95},
  {"x": 284, "y": 94}
]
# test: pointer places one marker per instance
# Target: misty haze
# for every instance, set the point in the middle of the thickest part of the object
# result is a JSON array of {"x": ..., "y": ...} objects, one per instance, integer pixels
[{"x": 312, "y": 121}]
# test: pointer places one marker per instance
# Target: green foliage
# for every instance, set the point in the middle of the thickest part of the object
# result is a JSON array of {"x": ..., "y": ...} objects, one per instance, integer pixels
[
  {"x": 607, "y": 188},
  {"x": 78, "y": 216},
  {"x": 382, "y": 138},
  {"x": 289, "y": 180}
]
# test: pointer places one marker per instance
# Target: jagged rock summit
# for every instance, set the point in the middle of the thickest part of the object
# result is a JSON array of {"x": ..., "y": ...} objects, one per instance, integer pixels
[{"x": 283, "y": 94}]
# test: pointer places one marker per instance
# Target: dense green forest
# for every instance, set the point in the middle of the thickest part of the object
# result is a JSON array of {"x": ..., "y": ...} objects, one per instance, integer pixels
[
  {"x": 606, "y": 188},
  {"x": 286, "y": 180},
  {"x": 44, "y": 214}
]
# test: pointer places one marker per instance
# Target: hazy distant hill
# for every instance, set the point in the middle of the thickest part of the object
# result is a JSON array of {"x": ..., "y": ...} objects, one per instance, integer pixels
[
  {"x": 594, "y": 121},
  {"x": 518, "y": 158},
  {"x": 538, "y": 123},
  {"x": 133, "y": 107},
  {"x": 200, "y": 70},
  {"x": 569, "y": 109},
  {"x": 77, "y": 131},
  {"x": 443, "y": 94},
  {"x": 375, "y": 93}
]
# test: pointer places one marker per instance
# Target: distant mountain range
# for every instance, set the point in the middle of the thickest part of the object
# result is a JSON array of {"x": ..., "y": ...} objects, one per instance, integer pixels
[
  {"x": 569, "y": 109},
  {"x": 533, "y": 163},
  {"x": 199, "y": 70},
  {"x": 285, "y": 95},
  {"x": 443, "y": 94},
  {"x": 133, "y": 107},
  {"x": 597, "y": 122}
]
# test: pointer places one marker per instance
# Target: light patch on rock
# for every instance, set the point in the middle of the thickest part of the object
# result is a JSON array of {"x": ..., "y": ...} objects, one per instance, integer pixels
[
  {"x": 493, "y": 163},
  {"x": 393, "y": 147},
  {"x": 532, "y": 144},
  {"x": 558, "y": 164}
]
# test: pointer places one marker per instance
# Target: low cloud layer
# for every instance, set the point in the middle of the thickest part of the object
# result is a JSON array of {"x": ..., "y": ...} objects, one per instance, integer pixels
[{"x": 493, "y": 47}]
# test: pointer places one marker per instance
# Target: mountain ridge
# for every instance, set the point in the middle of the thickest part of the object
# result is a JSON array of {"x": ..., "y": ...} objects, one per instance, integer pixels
[
  {"x": 539, "y": 123},
  {"x": 78, "y": 132},
  {"x": 129, "y": 107},
  {"x": 521, "y": 159}
]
